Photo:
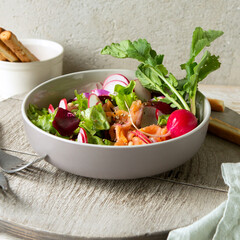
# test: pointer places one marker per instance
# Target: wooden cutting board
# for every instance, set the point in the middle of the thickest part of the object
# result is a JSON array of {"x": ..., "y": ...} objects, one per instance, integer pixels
[{"x": 47, "y": 203}]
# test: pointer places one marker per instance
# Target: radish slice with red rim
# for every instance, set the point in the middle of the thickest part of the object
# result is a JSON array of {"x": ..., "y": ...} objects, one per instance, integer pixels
[
  {"x": 51, "y": 108},
  {"x": 111, "y": 85},
  {"x": 93, "y": 100},
  {"x": 82, "y": 136},
  {"x": 116, "y": 77},
  {"x": 63, "y": 103},
  {"x": 142, "y": 136},
  {"x": 99, "y": 85}
]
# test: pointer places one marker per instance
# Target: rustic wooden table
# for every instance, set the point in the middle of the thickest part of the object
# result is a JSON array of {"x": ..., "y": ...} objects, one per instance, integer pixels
[{"x": 46, "y": 203}]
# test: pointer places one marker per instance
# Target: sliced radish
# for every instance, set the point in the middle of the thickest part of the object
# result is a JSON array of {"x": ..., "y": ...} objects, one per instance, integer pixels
[
  {"x": 63, "y": 103},
  {"x": 100, "y": 92},
  {"x": 93, "y": 100},
  {"x": 51, "y": 108},
  {"x": 142, "y": 136},
  {"x": 82, "y": 136},
  {"x": 149, "y": 116},
  {"x": 142, "y": 93},
  {"x": 116, "y": 77},
  {"x": 99, "y": 85},
  {"x": 88, "y": 87},
  {"x": 111, "y": 85}
]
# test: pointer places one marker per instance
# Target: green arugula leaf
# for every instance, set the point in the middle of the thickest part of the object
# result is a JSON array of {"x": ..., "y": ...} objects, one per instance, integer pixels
[
  {"x": 155, "y": 77},
  {"x": 211, "y": 64},
  {"x": 206, "y": 65},
  {"x": 140, "y": 50},
  {"x": 202, "y": 39},
  {"x": 196, "y": 72},
  {"x": 151, "y": 73}
]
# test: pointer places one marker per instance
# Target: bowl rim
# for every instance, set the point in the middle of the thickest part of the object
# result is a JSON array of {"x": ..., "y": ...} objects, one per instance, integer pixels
[
  {"x": 36, "y": 40},
  {"x": 27, "y": 120}
]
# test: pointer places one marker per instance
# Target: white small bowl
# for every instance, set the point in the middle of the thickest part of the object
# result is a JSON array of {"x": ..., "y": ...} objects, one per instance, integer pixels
[
  {"x": 18, "y": 77},
  {"x": 98, "y": 161}
]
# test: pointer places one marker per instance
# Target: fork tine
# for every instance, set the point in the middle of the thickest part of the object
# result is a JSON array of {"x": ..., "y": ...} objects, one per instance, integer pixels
[
  {"x": 12, "y": 164},
  {"x": 24, "y": 165}
]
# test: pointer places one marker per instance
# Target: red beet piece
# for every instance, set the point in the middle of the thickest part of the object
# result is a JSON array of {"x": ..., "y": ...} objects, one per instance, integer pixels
[{"x": 65, "y": 122}]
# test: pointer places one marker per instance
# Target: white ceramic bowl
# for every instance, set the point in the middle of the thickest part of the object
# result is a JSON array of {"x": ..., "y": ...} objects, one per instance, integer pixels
[
  {"x": 105, "y": 162},
  {"x": 18, "y": 77}
]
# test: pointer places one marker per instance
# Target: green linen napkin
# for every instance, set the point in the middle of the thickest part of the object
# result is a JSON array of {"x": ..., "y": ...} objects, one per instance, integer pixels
[{"x": 223, "y": 223}]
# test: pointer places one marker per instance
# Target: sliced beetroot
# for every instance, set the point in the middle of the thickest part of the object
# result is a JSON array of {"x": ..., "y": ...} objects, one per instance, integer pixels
[
  {"x": 65, "y": 122},
  {"x": 104, "y": 98}
]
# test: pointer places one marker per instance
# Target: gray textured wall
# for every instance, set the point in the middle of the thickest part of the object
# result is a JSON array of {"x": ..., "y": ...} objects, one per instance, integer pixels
[{"x": 84, "y": 27}]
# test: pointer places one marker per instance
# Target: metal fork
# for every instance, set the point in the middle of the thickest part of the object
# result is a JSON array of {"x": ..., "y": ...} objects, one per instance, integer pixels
[{"x": 12, "y": 164}]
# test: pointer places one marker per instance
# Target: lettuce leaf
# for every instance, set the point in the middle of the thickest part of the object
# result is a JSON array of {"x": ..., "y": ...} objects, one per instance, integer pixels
[
  {"x": 125, "y": 95},
  {"x": 94, "y": 119},
  {"x": 41, "y": 118},
  {"x": 162, "y": 119},
  {"x": 82, "y": 103},
  {"x": 97, "y": 140}
]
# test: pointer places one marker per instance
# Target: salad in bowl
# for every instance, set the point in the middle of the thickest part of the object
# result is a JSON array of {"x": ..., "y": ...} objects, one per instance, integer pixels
[
  {"x": 122, "y": 124},
  {"x": 116, "y": 112},
  {"x": 155, "y": 107}
]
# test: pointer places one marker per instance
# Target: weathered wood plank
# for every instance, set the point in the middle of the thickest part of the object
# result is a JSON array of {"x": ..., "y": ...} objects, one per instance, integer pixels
[
  {"x": 55, "y": 201},
  {"x": 46, "y": 200},
  {"x": 12, "y": 134}
]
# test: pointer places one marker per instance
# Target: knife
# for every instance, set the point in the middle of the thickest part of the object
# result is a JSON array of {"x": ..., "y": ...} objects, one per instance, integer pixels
[{"x": 3, "y": 182}]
